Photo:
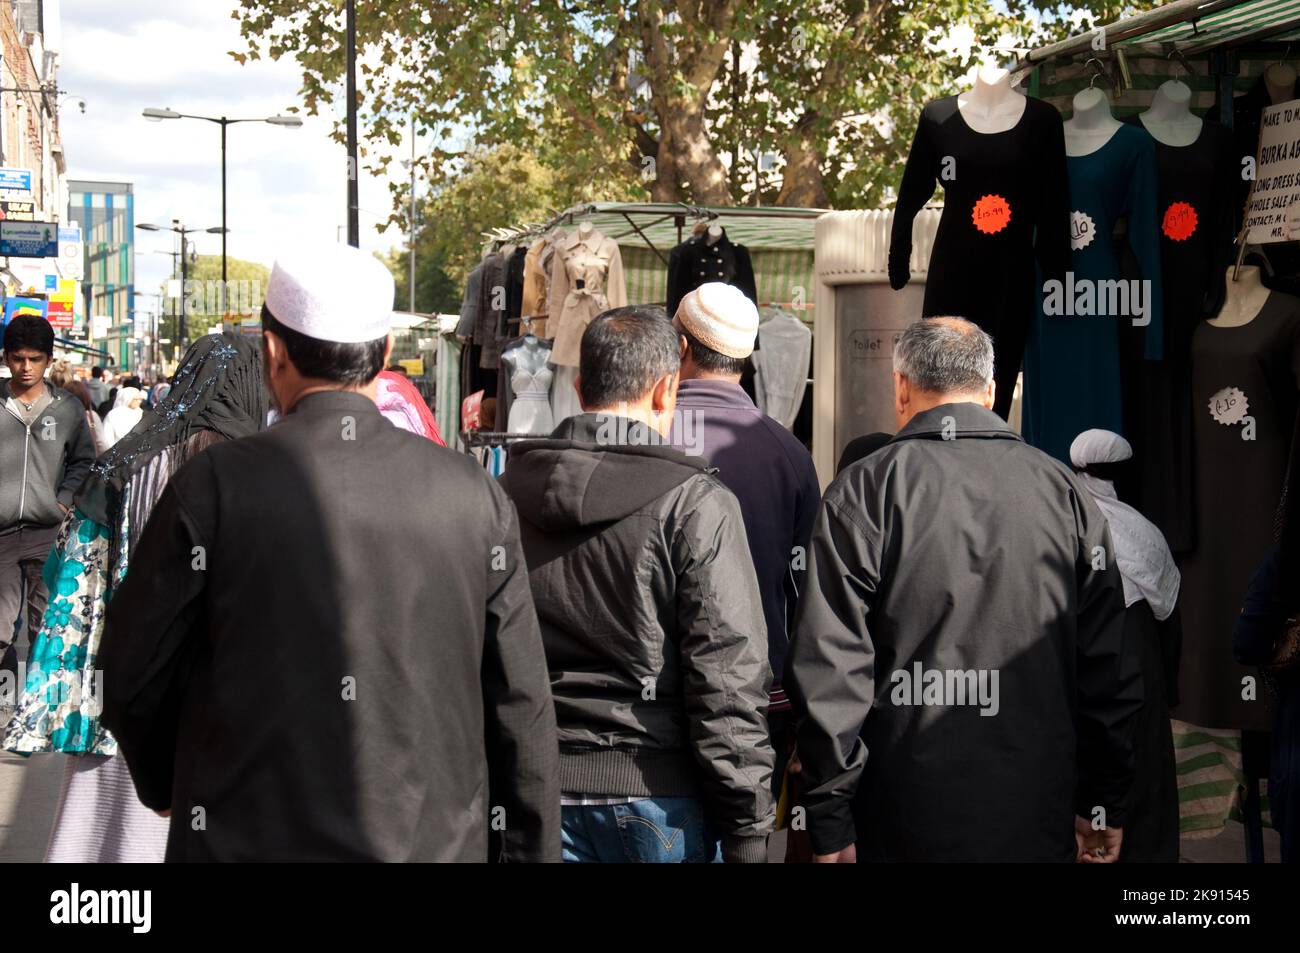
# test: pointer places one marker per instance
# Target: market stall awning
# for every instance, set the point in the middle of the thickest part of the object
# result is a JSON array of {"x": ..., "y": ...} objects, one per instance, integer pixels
[
  {"x": 780, "y": 242},
  {"x": 661, "y": 224},
  {"x": 1191, "y": 26},
  {"x": 1246, "y": 21}
]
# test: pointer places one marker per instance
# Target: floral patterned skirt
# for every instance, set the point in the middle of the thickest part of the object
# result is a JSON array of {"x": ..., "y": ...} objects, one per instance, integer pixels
[{"x": 62, "y": 691}]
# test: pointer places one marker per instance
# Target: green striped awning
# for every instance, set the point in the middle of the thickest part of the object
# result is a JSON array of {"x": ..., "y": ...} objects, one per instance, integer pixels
[
  {"x": 784, "y": 276},
  {"x": 1210, "y": 779},
  {"x": 1245, "y": 22}
]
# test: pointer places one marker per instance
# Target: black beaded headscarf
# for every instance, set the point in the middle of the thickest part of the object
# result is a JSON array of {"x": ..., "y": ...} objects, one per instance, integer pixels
[{"x": 218, "y": 387}]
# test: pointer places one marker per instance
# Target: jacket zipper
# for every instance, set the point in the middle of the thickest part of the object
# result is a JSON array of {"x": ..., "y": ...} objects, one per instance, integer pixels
[
  {"x": 27, "y": 442},
  {"x": 22, "y": 496}
]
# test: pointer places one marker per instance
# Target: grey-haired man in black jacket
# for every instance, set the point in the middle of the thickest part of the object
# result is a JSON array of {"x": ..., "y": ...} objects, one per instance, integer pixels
[
  {"x": 959, "y": 668},
  {"x": 650, "y": 615}
]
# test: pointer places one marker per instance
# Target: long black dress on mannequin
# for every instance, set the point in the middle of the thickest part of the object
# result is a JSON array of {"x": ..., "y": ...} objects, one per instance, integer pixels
[
  {"x": 1006, "y": 202},
  {"x": 1245, "y": 390},
  {"x": 695, "y": 261},
  {"x": 1195, "y": 215}
]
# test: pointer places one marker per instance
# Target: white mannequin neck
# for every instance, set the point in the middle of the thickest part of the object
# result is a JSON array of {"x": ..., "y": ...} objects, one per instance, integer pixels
[
  {"x": 1245, "y": 299},
  {"x": 1170, "y": 119},
  {"x": 1279, "y": 80},
  {"x": 1092, "y": 125},
  {"x": 585, "y": 230},
  {"x": 712, "y": 235},
  {"x": 992, "y": 105}
]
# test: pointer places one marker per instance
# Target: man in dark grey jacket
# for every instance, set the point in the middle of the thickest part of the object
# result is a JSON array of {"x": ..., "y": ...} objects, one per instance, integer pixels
[
  {"x": 650, "y": 615},
  {"x": 45, "y": 452},
  {"x": 959, "y": 667}
]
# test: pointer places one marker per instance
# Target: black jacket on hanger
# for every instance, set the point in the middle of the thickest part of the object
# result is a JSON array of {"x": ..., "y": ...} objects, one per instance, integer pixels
[{"x": 694, "y": 262}]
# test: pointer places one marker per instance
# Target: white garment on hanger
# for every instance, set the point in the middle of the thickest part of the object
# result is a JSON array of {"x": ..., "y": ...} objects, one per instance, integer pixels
[
  {"x": 781, "y": 365},
  {"x": 564, "y": 396},
  {"x": 530, "y": 410}
]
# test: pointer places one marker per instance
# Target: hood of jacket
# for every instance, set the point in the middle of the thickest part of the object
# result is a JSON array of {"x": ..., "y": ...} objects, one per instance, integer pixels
[{"x": 594, "y": 469}]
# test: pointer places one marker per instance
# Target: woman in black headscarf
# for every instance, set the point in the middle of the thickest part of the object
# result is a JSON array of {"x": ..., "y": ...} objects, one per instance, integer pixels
[
  {"x": 1272, "y": 601},
  {"x": 217, "y": 394}
]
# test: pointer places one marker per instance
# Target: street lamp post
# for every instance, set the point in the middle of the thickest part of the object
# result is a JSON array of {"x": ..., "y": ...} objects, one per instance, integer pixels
[
  {"x": 288, "y": 122},
  {"x": 182, "y": 231}
]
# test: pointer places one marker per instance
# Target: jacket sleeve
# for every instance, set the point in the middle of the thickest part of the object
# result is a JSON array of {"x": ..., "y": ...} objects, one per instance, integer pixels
[
  {"x": 81, "y": 454},
  {"x": 745, "y": 274},
  {"x": 677, "y": 274},
  {"x": 805, "y": 517},
  {"x": 558, "y": 291},
  {"x": 1109, "y": 679},
  {"x": 830, "y": 675},
  {"x": 152, "y": 635},
  {"x": 518, "y": 715},
  {"x": 916, "y": 189},
  {"x": 1144, "y": 239},
  {"x": 1262, "y": 615},
  {"x": 1052, "y": 238},
  {"x": 616, "y": 281},
  {"x": 722, "y": 644},
  {"x": 469, "y": 304}
]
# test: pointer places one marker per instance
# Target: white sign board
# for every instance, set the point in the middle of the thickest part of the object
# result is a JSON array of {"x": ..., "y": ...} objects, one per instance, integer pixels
[
  {"x": 1277, "y": 176},
  {"x": 30, "y": 274},
  {"x": 71, "y": 251}
]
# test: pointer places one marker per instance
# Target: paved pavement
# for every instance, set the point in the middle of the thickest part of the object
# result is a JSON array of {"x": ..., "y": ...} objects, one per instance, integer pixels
[{"x": 29, "y": 793}]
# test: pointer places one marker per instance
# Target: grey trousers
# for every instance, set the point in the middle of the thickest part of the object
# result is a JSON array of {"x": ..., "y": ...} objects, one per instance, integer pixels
[{"x": 23, "y": 550}]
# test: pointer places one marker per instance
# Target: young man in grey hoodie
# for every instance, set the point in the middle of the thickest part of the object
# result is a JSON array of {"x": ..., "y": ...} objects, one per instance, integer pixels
[
  {"x": 650, "y": 614},
  {"x": 46, "y": 449}
]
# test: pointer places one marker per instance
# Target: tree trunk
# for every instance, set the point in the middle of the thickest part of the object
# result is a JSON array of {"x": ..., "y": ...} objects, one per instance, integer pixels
[
  {"x": 688, "y": 167},
  {"x": 802, "y": 185}
]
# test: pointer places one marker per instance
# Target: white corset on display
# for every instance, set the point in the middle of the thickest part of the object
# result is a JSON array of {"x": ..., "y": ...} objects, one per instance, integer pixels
[{"x": 530, "y": 411}]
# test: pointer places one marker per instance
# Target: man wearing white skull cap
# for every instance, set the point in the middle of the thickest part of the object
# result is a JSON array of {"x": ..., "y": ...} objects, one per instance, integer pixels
[
  {"x": 278, "y": 654},
  {"x": 1151, "y": 622}
]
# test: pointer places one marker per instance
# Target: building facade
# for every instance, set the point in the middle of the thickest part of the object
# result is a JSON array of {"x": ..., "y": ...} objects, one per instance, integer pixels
[
  {"x": 33, "y": 185},
  {"x": 105, "y": 211}
]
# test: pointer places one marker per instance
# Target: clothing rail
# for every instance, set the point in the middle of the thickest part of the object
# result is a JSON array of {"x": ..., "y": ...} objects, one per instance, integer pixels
[{"x": 495, "y": 438}]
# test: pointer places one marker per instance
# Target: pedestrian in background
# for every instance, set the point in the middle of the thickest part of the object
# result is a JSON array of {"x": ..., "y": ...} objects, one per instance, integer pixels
[
  {"x": 306, "y": 690},
  {"x": 99, "y": 819},
  {"x": 763, "y": 464},
  {"x": 1151, "y": 623},
  {"x": 650, "y": 614},
  {"x": 45, "y": 451},
  {"x": 1268, "y": 634},
  {"x": 77, "y": 388},
  {"x": 959, "y": 668},
  {"x": 128, "y": 408},
  {"x": 98, "y": 386}
]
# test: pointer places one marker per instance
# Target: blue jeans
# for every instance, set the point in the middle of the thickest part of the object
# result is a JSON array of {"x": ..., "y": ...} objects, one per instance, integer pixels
[{"x": 662, "y": 830}]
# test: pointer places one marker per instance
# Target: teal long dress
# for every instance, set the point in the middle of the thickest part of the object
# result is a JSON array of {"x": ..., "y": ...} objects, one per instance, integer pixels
[{"x": 1072, "y": 360}]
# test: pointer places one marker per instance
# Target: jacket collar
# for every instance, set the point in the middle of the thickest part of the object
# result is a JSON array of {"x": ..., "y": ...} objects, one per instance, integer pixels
[
  {"x": 960, "y": 419},
  {"x": 592, "y": 241},
  {"x": 332, "y": 402},
  {"x": 711, "y": 392}
]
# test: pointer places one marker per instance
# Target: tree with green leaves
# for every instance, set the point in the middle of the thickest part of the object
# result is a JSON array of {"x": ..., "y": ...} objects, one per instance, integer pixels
[
  {"x": 667, "y": 99},
  {"x": 246, "y": 287}
]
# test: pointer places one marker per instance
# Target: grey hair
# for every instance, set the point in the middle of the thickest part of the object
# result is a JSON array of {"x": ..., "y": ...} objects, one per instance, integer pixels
[{"x": 945, "y": 356}]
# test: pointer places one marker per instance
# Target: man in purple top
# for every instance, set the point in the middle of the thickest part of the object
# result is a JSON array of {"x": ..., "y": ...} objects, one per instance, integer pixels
[{"x": 761, "y": 462}]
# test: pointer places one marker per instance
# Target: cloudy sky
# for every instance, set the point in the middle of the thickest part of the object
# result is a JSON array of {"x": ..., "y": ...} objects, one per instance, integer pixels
[{"x": 283, "y": 185}]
